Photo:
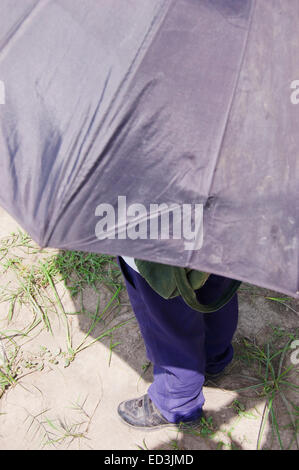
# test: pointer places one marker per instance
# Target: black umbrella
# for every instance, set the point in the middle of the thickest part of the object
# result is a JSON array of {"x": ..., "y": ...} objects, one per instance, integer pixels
[{"x": 166, "y": 130}]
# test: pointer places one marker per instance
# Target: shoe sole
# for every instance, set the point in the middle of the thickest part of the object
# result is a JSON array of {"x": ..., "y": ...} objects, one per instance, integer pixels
[{"x": 177, "y": 426}]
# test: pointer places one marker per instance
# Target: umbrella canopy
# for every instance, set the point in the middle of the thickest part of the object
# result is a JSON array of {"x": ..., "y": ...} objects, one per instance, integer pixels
[{"x": 116, "y": 115}]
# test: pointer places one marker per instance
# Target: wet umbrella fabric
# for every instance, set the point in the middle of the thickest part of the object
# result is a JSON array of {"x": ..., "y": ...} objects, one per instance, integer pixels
[{"x": 109, "y": 107}]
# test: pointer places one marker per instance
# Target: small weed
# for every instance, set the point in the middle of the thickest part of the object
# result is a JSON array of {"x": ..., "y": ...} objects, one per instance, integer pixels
[
  {"x": 275, "y": 380},
  {"x": 205, "y": 428},
  {"x": 59, "y": 431},
  {"x": 144, "y": 447}
]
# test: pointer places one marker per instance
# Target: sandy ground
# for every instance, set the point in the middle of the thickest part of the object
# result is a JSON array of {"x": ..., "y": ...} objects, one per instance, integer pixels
[{"x": 54, "y": 405}]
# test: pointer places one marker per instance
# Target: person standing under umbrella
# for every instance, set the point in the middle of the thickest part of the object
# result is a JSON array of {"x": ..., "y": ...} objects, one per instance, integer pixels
[{"x": 185, "y": 346}]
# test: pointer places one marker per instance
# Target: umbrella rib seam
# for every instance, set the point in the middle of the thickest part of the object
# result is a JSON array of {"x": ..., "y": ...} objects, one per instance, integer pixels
[{"x": 228, "y": 112}]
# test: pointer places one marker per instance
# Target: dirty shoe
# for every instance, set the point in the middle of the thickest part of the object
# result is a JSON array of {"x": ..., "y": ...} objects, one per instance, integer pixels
[{"x": 142, "y": 413}]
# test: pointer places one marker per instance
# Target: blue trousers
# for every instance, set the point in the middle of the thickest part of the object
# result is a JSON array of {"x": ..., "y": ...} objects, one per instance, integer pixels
[{"x": 182, "y": 344}]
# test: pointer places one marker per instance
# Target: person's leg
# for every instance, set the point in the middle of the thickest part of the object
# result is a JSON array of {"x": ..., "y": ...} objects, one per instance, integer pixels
[
  {"x": 175, "y": 340},
  {"x": 220, "y": 326}
]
